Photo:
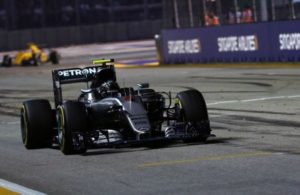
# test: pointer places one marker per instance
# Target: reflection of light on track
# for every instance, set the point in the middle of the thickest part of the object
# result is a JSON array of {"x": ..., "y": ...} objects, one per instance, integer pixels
[
  {"x": 137, "y": 63},
  {"x": 8, "y": 188},
  {"x": 207, "y": 158},
  {"x": 254, "y": 100},
  {"x": 119, "y": 65}
]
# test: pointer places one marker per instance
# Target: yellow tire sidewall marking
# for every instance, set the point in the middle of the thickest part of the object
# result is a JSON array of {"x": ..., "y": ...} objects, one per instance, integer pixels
[
  {"x": 62, "y": 114},
  {"x": 62, "y": 123}
]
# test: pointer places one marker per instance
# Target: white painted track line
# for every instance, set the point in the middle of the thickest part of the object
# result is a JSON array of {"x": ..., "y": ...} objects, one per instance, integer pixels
[{"x": 254, "y": 100}]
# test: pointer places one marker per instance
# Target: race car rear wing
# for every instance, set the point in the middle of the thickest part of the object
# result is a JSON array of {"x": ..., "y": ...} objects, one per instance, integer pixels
[{"x": 76, "y": 75}]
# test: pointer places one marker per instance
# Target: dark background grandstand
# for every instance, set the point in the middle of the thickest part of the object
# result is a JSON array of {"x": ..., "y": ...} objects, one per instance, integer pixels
[
  {"x": 65, "y": 22},
  {"x": 24, "y": 14}
]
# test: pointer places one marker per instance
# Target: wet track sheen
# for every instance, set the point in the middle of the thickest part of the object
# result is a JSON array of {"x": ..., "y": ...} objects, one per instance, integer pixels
[{"x": 254, "y": 113}]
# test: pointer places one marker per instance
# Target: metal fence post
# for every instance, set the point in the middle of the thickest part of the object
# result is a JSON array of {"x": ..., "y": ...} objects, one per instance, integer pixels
[
  {"x": 254, "y": 7},
  {"x": 263, "y": 10},
  {"x": 191, "y": 13},
  {"x": 219, "y": 10},
  {"x": 292, "y": 9},
  {"x": 177, "y": 24},
  {"x": 236, "y": 9},
  {"x": 204, "y": 11}
]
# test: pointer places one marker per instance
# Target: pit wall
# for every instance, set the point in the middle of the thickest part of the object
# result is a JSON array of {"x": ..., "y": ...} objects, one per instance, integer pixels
[
  {"x": 73, "y": 35},
  {"x": 259, "y": 42}
]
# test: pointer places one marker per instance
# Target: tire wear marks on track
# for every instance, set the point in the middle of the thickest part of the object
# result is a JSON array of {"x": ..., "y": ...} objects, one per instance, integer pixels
[
  {"x": 264, "y": 147},
  {"x": 230, "y": 78},
  {"x": 272, "y": 75},
  {"x": 206, "y": 158},
  {"x": 217, "y": 92},
  {"x": 259, "y": 84},
  {"x": 11, "y": 99},
  {"x": 257, "y": 120}
]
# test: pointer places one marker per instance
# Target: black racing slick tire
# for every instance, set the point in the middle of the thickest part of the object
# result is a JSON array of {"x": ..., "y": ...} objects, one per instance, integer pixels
[
  {"x": 194, "y": 111},
  {"x": 72, "y": 123},
  {"x": 7, "y": 61},
  {"x": 36, "y": 124},
  {"x": 54, "y": 57}
]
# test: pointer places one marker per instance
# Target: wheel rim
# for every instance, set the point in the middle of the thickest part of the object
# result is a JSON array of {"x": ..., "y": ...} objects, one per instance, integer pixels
[
  {"x": 180, "y": 109},
  {"x": 61, "y": 126}
]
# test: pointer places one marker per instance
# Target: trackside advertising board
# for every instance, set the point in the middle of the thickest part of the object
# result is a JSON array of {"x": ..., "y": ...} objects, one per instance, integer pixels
[{"x": 272, "y": 41}]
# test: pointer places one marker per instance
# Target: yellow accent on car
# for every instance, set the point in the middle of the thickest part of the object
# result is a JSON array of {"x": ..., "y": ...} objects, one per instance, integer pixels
[
  {"x": 44, "y": 57},
  {"x": 22, "y": 56},
  {"x": 177, "y": 101},
  {"x": 102, "y": 61},
  {"x": 61, "y": 110}
]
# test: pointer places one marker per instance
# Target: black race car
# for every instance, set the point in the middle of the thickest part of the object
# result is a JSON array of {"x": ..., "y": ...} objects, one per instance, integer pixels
[{"x": 106, "y": 115}]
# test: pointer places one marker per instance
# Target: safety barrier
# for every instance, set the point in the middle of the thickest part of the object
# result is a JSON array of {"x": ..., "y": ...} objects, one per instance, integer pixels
[{"x": 259, "y": 42}]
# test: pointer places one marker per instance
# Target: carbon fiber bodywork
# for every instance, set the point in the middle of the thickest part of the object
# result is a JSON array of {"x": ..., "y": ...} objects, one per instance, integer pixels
[{"x": 106, "y": 115}]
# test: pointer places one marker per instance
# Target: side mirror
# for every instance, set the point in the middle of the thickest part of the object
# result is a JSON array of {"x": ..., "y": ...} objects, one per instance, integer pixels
[{"x": 143, "y": 85}]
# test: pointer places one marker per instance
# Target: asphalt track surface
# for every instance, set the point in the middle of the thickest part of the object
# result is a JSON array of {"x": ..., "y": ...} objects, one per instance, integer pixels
[{"x": 254, "y": 114}]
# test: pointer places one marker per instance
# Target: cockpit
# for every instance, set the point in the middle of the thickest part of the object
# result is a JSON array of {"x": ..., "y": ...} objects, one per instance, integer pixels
[{"x": 103, "y": 85}]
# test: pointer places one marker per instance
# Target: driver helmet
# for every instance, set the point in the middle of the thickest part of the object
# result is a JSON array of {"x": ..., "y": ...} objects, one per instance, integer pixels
[
  {"x": 110, "y": 85},
  {"x": 104, "y": 77}
]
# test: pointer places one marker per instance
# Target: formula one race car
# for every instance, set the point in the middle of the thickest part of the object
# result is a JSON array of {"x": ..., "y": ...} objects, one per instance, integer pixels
[
  {"x": 106, "y": 115},
  {"x": 33, "y": 56}
]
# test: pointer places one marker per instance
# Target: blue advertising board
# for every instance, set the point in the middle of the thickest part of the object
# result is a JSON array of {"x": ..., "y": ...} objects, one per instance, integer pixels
[{"x": 257, "y": 42}]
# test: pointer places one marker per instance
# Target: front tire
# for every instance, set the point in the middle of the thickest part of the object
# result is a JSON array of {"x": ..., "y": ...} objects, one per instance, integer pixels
[
  {"x": 193, "y": 112},
  {"x": 72, "y": 123},
  {"x": 36, "y": 124}
]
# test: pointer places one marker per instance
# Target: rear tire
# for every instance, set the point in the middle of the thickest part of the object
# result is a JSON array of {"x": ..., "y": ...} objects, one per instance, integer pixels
[
  {"x": 71, "y": 118},
  {"x": 6, "y": 61},
  {"x": 36, "y": 124},
  {"x": 194, "y": 113},
  {"x": 54, "y": 57}
]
